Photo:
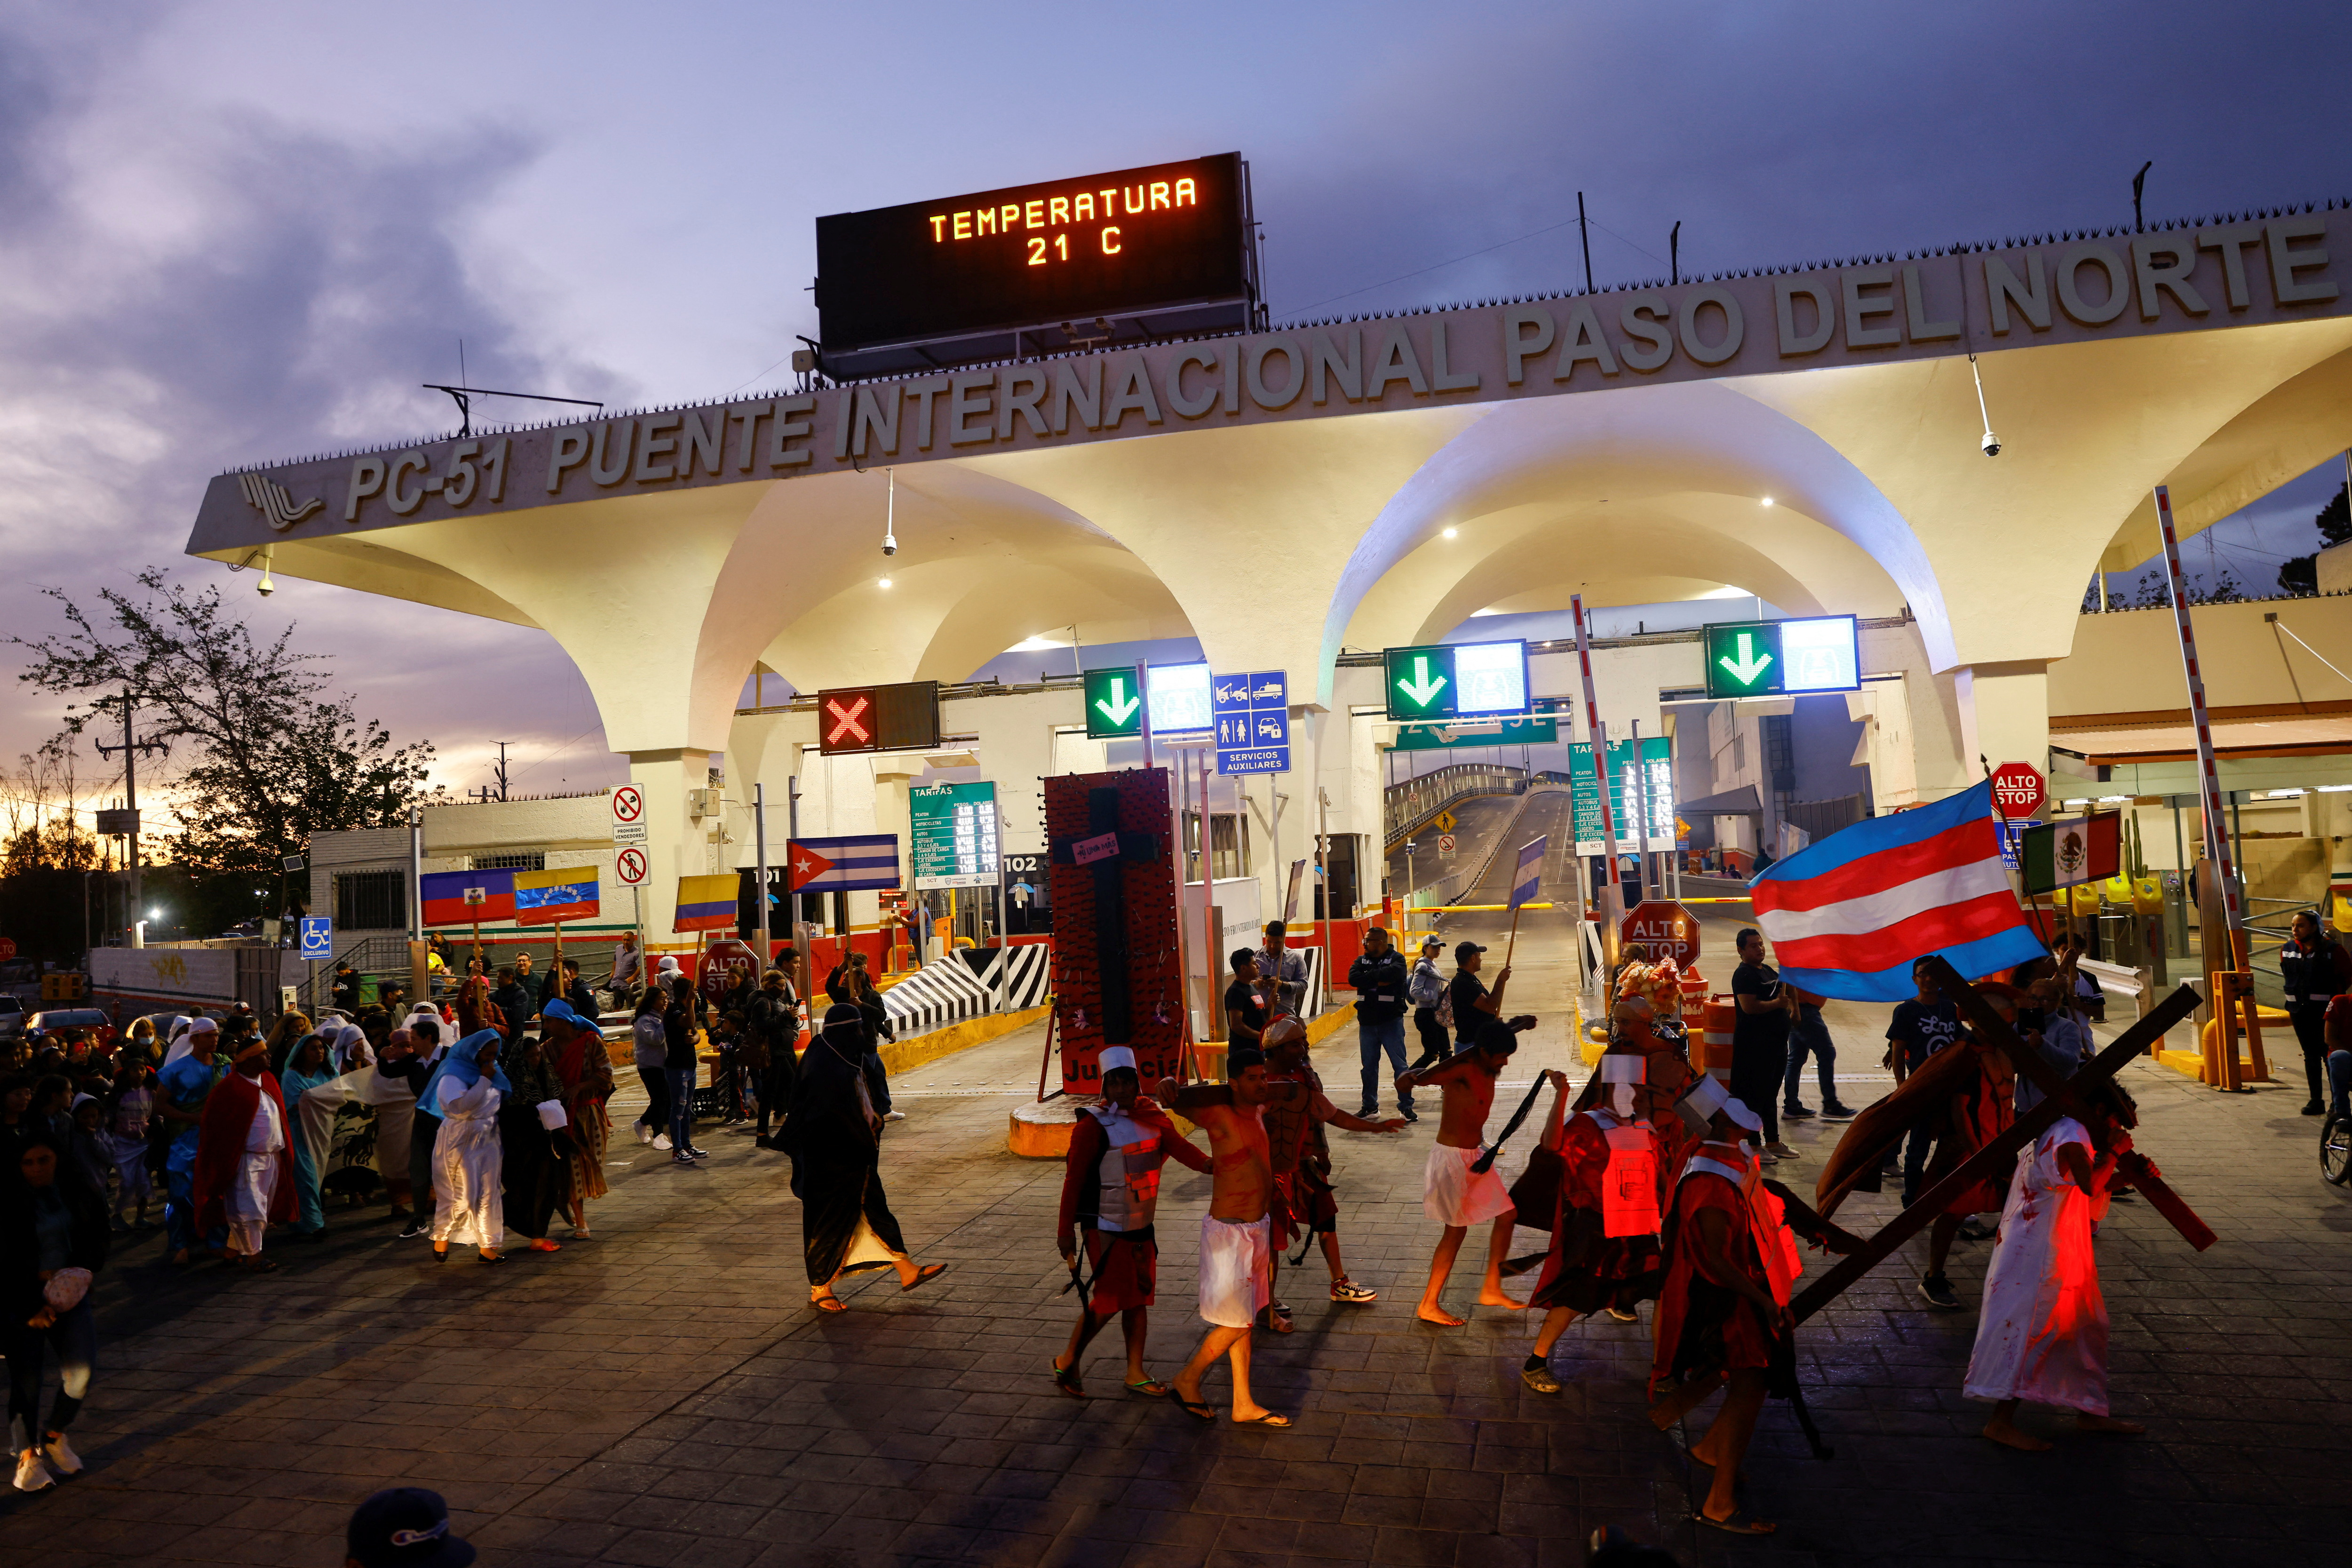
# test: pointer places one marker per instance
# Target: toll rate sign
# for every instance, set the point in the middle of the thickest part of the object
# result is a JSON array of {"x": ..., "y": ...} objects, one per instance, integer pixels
[{"x": 1773, "y": 659}]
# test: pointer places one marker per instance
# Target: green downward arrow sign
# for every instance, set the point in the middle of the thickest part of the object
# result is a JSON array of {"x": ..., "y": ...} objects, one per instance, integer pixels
[
  {"x": 1423, "y": 687},
  {"x": 1749, "y": 664},
  {"x": 1119, "y": 707}
]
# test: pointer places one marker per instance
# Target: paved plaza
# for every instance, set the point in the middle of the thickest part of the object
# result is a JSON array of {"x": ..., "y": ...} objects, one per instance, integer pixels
[{"x": 661, "y": 1394}]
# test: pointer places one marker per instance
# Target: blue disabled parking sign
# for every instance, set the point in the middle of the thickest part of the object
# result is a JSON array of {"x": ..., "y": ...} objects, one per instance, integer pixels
[
  {"x": 1252, "y": 719},
  {"x": 318, "y": 937}
]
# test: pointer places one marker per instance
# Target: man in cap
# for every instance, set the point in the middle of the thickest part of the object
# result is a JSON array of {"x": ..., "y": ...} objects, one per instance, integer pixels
[
  {"x": 1282, "y": 974},
  {"x": 1425, "y": 989},
  {"x": 1302, "y": 1201},
  {"x": 1455, "y": 1192},
  {"x": 1379, "y": 981},
  {"x": 1237, "y": 1270},
  {"x": 1110, "y": 1190},
  {"x": 1723, "y": 1308},
  {"x": 405, "y": 1527},
  {"x": 1474, "y": 1004}
]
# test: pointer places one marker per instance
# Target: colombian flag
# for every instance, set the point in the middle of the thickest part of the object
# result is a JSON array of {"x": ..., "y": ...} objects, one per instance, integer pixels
[
  {"x": 706, "y": 903},
  {"x": 566, "y": 893}
]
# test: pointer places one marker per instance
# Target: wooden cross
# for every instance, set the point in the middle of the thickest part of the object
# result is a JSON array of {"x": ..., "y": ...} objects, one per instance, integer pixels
[{"x": 2060, "y": 1097}]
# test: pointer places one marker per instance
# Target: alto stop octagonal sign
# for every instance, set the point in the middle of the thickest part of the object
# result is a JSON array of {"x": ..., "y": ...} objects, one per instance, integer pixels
[{"x": 1661, "y": 928}]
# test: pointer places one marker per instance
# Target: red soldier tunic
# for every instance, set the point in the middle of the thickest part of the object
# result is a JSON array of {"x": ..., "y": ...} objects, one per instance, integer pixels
[
  {"x": 1303, "y": 1199},
  {"x": 1704, "y": 1327},
  {"x": 1111, "y": 1187},
  {"x": 1604, "y": 1242}
]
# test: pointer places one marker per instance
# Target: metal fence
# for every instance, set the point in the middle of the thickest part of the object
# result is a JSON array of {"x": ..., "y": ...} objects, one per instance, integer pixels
[{"x": 1405, "y": 807}]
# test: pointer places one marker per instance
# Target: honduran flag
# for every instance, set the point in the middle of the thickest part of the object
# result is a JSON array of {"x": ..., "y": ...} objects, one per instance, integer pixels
[
  {"x": 706, "y": 903},
  {"x": 1849, "y": 916},
  {"x": 564, "y": 893},
  {"x": 446, "y": 904},
  {"x": 1527, "y": 881}
]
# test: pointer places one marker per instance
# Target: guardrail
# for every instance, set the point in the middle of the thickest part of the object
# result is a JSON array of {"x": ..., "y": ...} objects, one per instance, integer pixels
[{"x": 1407, "y": 806}]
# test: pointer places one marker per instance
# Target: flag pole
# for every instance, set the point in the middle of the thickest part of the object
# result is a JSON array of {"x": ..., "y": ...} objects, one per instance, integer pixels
[{"x": 1612, "y": 893}]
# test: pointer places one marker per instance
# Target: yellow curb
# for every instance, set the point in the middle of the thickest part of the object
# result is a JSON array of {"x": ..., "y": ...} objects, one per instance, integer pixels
[{"x": 905, "y": 1056}]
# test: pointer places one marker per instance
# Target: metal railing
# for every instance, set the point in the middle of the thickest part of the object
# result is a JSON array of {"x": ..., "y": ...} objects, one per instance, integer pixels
[{"x": 1407, "y": 806}]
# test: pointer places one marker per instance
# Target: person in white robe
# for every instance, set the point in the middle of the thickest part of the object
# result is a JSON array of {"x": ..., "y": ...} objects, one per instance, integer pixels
[
  {"x": 468, "y": 1159},
  {"x": 2042, "y": 1334},
  {"x": 253, "y": 1194}
]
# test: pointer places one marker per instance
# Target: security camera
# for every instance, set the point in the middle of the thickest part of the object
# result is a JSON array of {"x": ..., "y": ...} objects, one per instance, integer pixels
[
  {"x": 1991, "y": 445},
  {"x": 889, "y": 545},
  {"x": 266, "y": 587}
]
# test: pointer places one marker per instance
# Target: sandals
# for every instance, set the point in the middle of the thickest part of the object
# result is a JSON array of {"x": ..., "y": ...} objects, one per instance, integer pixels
[
  {"x": 254, "y": 1263},
  {"x": 1066, "y": 1378},
  {"x": 1540, "y": 1379},
  {"x": 1269, "y": 1419},
  {"x": 929, "y": 1272},
  {"x": 1278, "y": 1318},
  {"x": 1741, "y": 1522},
  {"x": 1346, "y": 1290},
  {"x": 1150, "y": 1387},
  {"x": 1192, "y": 1408},
  {"x": 827, "y": 1302},
  {"x": 543, "y": 1245}
]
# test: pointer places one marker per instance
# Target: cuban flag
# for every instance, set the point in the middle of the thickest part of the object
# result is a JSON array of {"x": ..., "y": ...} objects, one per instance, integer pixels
[
  {"x": 565, "y": 893},
  {"x": 1529, "y": 878},
  {"x": 1849, "y": 916},
  {"x": 706, "y": 903},
  {"x": 843, "y": 865}
]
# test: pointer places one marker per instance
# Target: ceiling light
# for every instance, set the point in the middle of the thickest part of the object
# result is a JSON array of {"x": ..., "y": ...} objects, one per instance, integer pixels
[
  {"x": 2331, "y": 789},
  {"x": 883, "y": 581},
  {"x": 2112, "y": 799},
  {"x": 1450, "y": 532},
  {"x": 1768, "y": 501}
]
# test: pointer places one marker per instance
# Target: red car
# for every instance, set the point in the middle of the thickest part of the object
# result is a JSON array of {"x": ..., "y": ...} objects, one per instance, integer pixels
[{"x": 57, "y": 1020}]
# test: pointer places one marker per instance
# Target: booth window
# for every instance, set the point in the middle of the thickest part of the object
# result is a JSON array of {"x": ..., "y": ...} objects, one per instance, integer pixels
[{"x": 371, "y": 901}]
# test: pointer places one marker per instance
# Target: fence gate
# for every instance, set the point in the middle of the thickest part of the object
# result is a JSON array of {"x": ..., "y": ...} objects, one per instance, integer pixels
[{"x": 257, "y": 980}]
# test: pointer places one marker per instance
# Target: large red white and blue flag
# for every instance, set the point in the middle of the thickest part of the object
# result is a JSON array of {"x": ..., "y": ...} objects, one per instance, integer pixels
[
  {"x": 1527, "y": 879},
  {"x": 1849, "y": 916}
]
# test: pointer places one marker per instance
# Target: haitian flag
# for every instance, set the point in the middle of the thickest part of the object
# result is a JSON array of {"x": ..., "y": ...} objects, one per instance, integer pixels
[
  {"x": 566, "y": 893},
  {"x": 1848, "y": 916},
  {"x": 443, "y": 897},
  {"x": 706, "y": 903}
]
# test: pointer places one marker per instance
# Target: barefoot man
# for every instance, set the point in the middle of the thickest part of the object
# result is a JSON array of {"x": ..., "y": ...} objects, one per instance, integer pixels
[
  {"x": 1236, "y": 1275},
  {"x": 1109, "y": 1191},
  {"x": 1453, "y": 1195},
  {"x": 1302, "y": 1163}
]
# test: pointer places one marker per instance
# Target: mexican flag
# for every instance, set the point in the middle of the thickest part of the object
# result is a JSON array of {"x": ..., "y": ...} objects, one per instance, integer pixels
[{"x": 2067, "y": 852}]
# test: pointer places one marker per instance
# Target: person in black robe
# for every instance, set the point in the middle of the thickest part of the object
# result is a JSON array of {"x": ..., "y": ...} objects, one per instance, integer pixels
[
  {"x": 537, "y": 1159},
  {"x": 833, "y": 1136}
]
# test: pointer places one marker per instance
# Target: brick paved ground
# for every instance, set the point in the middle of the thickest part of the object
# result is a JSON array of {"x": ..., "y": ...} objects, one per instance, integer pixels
[{"x": 661, "y": 1396}]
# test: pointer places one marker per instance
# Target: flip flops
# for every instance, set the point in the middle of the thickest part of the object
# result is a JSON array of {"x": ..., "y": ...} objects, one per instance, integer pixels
[
  {"x": 827, "y": 1303},
  {"x": 1150, "y": 1387},
  {"x": 1192, "y": 1408},
  {"x": 1741, "y": 1522},
  {"x": 928, "y": 1273},
  {"x": 1269, "y": 1419},
  {"x": 1066, "y": 1378}
]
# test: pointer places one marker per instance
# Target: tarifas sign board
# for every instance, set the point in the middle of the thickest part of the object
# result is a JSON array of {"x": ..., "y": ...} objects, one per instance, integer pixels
[{"x": 1095, "y": 246}]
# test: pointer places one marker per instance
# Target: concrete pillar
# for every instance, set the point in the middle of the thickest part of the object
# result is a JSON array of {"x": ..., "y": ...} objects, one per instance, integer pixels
[{"x": 2004, "y": 713}]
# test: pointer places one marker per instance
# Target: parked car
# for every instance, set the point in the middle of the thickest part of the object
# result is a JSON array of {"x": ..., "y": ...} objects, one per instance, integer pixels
[
  {"x": 52, "y": 1020},
  {"x": 12, "y": 1015}
]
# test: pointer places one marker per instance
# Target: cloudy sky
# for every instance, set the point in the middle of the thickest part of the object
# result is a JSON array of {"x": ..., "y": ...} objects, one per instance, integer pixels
[{"x": 244, "y": 231}]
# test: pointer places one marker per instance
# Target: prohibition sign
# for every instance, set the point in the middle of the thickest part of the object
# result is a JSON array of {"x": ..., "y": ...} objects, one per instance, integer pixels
[
  {"x": 631, "y": 865},
  {"x": 629, "y": 803}
]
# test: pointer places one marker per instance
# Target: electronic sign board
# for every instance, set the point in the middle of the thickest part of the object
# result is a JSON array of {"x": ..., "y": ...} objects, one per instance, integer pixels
[
  {"x": 1096, "y": 245},
  {"x": 1456, "y": 680},
  {"x": 1775, "y": 659}
]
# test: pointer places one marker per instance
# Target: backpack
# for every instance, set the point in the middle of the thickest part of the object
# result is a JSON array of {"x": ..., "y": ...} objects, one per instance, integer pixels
[{"x": 1445, "y": 1008}]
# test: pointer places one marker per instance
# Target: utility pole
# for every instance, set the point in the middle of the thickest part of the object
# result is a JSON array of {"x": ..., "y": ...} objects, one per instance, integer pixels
[
  {"x": 131, "y": 748},
  {"x": 1585, "y": 234}
]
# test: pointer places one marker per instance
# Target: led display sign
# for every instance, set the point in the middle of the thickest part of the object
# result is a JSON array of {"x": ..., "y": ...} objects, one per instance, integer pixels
[
  {"x": 1456, "y": 680},
  {"x": 1775, "y": 659},
  {"x": 1099, "y": 246}
]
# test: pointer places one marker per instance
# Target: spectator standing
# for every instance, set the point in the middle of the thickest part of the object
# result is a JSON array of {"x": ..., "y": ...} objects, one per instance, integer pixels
[
  {"x": 2314, "y": 970},
  {"x": 128, "y": 1117},
  {"x": 850, "y": 982},
  {"x": 346, "y": 992},
  {"x": 681, "y": 1038},
  {"x": 650, "y": 1043},
  {"x": 1808, "y": 1035},
  {"x": 1380, "y": 980},
  {"x": 628, "y": 969},
  {"x": 513, "y": 1000},
  {"x": 53, "y": 1238},
  {"x": 1426, "y": 990},
  {"x": 1474, "y": 1004},
  {"x": 575, "y": 992},
  {"x": 1760, "y": 1037},
  {"x": 1283, "y": 972},
  {"x": 1244, "y": 1013},
  {"x": 476, "y": 1011},
  {"x": 771, "y": 1031}
]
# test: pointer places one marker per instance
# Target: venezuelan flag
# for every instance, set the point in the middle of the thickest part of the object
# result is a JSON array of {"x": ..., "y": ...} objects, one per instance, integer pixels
[
  {"x": 566, "y": 893},
  {"x": 706, "y": 903}
]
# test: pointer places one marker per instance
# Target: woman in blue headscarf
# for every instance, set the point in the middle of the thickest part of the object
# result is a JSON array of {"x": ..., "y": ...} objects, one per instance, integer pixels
[
  {"x": 307, "y": 1068},
  {"x": 468, "y": 1166}
]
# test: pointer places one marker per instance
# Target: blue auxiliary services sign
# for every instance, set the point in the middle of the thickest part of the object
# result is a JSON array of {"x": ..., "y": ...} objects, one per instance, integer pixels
[{"x": 1253, "y": 722}]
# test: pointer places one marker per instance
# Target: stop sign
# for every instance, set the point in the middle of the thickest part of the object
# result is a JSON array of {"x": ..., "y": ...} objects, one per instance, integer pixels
[
  {"x": 7, "y": 947},
  {"x": 1661, "y": 928},
  {"x": 2018, "y": 789},
  {"x": 724, "y": 966}
]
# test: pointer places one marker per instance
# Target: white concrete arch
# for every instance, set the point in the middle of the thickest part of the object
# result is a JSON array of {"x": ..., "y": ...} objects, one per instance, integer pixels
[{"x": 1693, "y": 453}]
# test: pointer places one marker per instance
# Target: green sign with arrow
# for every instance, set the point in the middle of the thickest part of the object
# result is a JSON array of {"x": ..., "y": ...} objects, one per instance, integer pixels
[
  {"x": 1114, "y": 703},
  {"x": 1743, "y": 659},
  {"x": 1421, "y": 683}
]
